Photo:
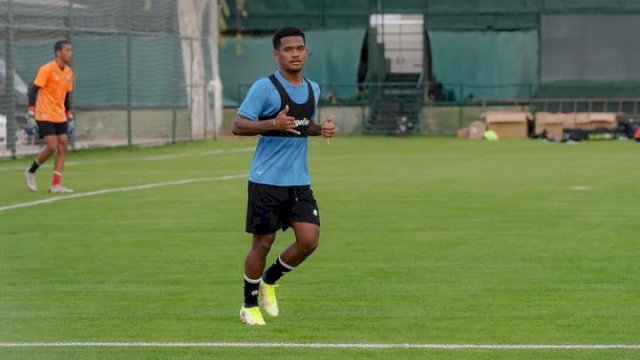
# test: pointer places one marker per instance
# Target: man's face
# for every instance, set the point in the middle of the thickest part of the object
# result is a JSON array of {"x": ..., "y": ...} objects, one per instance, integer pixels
[
  {"x": 65, "y": 54},
  {"x": 291, "y": 54}
]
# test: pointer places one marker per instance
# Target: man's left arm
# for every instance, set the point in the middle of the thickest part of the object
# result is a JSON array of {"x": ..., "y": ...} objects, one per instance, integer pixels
[
  {"x": 67, "y": 101},
  {"x": 67, "y": 105},
  {"x": 326, "y": 128},
  {"x": 71, "y": 124},
  {"x": 315, "y": 129}
]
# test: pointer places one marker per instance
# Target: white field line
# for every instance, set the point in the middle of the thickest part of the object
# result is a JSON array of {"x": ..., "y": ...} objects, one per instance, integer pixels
[
  {"x": 116, "y": 190},
  {"x": 44, "y": 166},
  {"x": 325, "y": 345},
  {"x": 164, "y": 157},
  {"x": 226, "y": 151},
  {"x": 146, "y": 158}
]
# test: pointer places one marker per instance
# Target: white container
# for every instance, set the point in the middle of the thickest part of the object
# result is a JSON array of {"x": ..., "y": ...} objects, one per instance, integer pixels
[{"x": 3, "y": 130}]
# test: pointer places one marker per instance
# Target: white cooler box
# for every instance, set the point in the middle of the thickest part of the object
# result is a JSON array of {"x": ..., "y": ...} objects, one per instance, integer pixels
[{"x": 3, "y": 130}]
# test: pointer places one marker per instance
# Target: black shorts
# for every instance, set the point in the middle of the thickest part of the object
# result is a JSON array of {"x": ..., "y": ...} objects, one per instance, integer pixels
[
  {"x": 46, "y": 128},
  {"x": 270, "y": 208}
]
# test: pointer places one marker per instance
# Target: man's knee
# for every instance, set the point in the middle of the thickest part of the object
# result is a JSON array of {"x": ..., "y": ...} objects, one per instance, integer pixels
[
  {"x": 51, "y": 144},
  {"x": 263, "y": 243},
  {"x": 308, "y": 244},
  {"x": 62, "y": 145}
]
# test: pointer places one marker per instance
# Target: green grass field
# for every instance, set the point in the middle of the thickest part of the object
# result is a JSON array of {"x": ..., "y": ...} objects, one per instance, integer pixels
[{"x": 424, "y": 241}]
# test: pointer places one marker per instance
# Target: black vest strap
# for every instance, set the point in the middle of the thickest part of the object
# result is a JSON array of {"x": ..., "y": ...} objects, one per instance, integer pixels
[{"x": 301, "y": 112}]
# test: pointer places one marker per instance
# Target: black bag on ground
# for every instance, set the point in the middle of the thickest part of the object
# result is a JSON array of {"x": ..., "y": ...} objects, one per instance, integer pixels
[{"x": 575, "y": 135}]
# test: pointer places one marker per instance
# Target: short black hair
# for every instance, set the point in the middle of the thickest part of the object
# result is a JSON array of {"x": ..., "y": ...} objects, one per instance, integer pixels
[
  {"x": 59, "y": 45},
  {"x": 284, "y": 32}
]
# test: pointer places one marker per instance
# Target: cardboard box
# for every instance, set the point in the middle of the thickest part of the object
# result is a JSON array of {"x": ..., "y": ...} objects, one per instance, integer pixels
[
  {"x": 463, "y": 133},
  {"x": 507, "y": 124},
  {"x": 569, "y": 121},
  {"x": 583, "y": 122},
  {"x": 603, "y": 120},
  {"x": 553, "y": 123}
]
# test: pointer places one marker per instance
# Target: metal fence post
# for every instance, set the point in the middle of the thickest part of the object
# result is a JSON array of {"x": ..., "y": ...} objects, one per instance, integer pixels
[
  {"x": 459, "y": 101},
  {"x": 174, "y": 88},
  {"x": 10, "y": 102},
  {"x": 72, "y": 140},
  {"x": 206, "y": 107},
  {"x": 129, "y": 85},
  {"x": 191, "y": 90}
]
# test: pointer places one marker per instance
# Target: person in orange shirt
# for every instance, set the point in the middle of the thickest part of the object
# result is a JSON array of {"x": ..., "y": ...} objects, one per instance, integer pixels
[{"x": 50, "y": 112}]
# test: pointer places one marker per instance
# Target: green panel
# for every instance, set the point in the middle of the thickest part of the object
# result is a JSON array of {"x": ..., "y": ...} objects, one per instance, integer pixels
[
  {"x": 101, "y": 71},
  {"x": 253, "y": 55},
  {"x": 156, "y": 70},
  {"x": 589, "y": 47},
  {"x": 403, "y": 6},
  {"x": 468, "y": 22},
  {"x": 100, "y": 66},
  {"x": 351, "y": 7},
  {"x": 590, "y": 6},
  {"x": 441, "y": 7},
  {"x": 304, "y": 21},
  {"x": 273, "y": 14},
  {"x": 333, "y": 61},
  {"x": 443, "y": 14},
  {"x": 310, "y": 8},
  {"x": 29, "y": 55},
  {"x": 485, "y": 64},
  {"x": 280, "y": 7},
  {"x": 345, "y": 21},
  {"x": 148, "y": 15}
]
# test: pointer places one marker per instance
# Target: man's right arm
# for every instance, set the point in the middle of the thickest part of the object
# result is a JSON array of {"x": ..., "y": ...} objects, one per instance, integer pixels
[
  {"x": 245, "y": 127},
  {"x": 282, "y": 122},
  {"x": 246, "y": 122},
  {"x": 31, "y": 109}
]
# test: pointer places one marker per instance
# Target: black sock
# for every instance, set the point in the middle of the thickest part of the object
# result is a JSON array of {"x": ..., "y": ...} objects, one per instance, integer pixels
[
  {"x": 34, "y": 166},
  {"x": 276, "y": 271},
  {"x": 251, "y": 289}
]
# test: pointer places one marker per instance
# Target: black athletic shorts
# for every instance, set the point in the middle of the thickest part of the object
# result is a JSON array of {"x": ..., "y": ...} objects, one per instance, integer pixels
[
  {"x": 46, "y": 128},
  {"x": 271, "y": 208}
]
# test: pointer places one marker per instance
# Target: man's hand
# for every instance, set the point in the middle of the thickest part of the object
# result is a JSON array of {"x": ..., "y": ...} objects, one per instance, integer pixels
[
  {"x": 328, "y": 129},
  {"x": 31, "y": 120},
  {"x": 285, "y": 123}
]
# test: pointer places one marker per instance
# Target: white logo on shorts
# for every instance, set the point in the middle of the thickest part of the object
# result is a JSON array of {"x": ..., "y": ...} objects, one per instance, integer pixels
[{"x": 315, "y": 212}]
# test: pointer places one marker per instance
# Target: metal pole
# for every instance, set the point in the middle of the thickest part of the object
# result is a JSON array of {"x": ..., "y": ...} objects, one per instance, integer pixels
[
  {"x": 9, "y": 83},
  {"x": 191, "y": 90},
  {"x": 216, "y": 83},
  {"x": 70, "y": 21},
  {"x": 176, "y": 50},
  {"x": 205, "y": 96},
  {"x": 72, "y": 140},
  {"x": 174, "y": 66},
  {"x": 129, "y": 84}
]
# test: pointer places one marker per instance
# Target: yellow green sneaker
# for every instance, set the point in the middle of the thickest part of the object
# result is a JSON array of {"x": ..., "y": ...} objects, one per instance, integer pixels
[
  {"x": 269, "y": 302},
  {"x": 251, "y": 316}
]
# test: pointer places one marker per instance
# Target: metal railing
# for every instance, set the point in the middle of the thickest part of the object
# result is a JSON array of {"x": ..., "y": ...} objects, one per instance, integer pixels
[{"x": 444, "y": 117}]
